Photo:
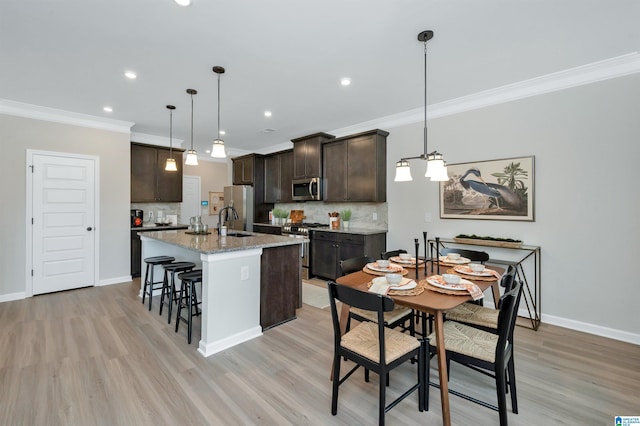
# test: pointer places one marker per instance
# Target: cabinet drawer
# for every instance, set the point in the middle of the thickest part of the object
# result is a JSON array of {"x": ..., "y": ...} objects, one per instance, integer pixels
[
  {"x": 324, "y": 236},
  {"x": 351, "y": 238}
]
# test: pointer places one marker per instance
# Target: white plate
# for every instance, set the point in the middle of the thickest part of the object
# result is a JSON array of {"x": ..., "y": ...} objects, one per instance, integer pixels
[
  {"x": 458, "y": 287},
  {"x": 412, "y": 261},
  {"x": 390, "y": 269},
  {"x": 461, "y": 261},
  {"x": 468, "y": 271},
  {"x": 410, "y": 284}
]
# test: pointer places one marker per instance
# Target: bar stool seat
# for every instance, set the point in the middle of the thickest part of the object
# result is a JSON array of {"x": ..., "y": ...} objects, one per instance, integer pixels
[
  {"x": 169, "y": 287},
  {"x": 148, "y": 276},
  {"x": 188, "y": 299}
]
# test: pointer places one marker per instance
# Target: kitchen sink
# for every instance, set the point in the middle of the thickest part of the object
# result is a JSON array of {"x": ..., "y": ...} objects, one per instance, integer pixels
[{"x": 238, "y": 234}]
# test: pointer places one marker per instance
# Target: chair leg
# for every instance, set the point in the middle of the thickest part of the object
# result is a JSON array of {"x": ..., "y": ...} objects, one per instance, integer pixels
[
  {"x": 366, "y": 375},
  {"x": 336, "y": 380},
  {"x": 422, "y": 366},
  {"x": 512, "y": 385},
  {"x": 501, "y": 388}
]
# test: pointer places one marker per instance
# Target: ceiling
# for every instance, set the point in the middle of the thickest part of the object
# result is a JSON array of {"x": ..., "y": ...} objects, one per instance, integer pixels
[{"x": 288, "y": 56}]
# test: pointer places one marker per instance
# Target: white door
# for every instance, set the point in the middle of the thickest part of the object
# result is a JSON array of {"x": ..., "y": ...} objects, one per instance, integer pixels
[
  {"x": 190, "y": 198},
  {"x": 63, "y": 235}
]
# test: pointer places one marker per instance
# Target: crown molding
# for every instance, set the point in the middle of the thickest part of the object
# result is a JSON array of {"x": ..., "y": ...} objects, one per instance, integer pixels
[
  {"x": 607, "y": 69},
  {"x": 155, "y": 140},
  {"x": 37, "y": 112}
]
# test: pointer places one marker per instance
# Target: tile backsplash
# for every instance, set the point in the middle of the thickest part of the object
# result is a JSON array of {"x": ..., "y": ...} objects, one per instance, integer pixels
[
  {"x": 159, "y": 210},
  {"x": 363, "y": 215}
]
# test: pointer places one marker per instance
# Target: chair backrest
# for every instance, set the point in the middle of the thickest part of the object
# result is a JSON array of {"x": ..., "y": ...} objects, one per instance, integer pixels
[
  {"x": 509, "y": 303},
  {"x": 354, "y": 264},
  {"x": 362, "y": 300},
  {"x": 473, "y": 255},
  {"x": 390, "y": 254}
]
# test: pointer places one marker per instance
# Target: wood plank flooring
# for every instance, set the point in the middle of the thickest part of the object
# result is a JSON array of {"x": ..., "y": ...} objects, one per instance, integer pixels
[{"x": 97, "y": 356}]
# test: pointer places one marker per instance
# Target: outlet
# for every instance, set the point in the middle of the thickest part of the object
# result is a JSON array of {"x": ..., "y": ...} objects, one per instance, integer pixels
[
  {"x": 244, "y": 273},
  {"x": 150, "y": 216},
  {"x": 374, "y": 216},
  {"x": 427, "y": 217}
]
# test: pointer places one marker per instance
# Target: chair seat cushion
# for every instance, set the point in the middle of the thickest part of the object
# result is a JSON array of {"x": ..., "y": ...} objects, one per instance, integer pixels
[
  {"x": 471, "y": 313},
  {"x": 363, "y": 340},
  {"x": 398, "y": 313},
  {"x": 468, "y": 340}
]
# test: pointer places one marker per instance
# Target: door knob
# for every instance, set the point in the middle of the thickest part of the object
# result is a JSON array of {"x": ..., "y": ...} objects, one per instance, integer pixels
[{"x": 89, "y": 229}]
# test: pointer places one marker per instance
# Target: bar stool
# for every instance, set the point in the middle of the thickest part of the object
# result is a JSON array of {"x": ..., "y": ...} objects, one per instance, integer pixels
[
  {"x": 169, "y": 288},
  {"x": 148, "y": 275},
  {"x": 188, "y": 299}
]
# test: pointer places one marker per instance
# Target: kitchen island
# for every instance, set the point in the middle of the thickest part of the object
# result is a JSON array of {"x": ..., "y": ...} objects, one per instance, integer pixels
[{"x": 250, "y": 281}]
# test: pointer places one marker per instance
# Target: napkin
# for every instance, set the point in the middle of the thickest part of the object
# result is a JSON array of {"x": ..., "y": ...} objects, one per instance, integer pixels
[
  {"x": 473, "y": 290},
  {"x": 379, "y": 287}
]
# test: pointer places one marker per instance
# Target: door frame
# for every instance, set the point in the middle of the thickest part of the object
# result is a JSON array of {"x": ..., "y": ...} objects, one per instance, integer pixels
[{"x": 29, "y": 213}]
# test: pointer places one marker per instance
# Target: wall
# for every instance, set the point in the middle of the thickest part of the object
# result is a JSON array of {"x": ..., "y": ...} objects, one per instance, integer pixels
[
  {"x": 19, "y": 134},
  {"x": 585, "y": 142},
  {"x": 213, "y": 177}
]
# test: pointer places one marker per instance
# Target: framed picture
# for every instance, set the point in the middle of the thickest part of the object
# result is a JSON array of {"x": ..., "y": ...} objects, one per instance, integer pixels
[
  {"x": 216, "y": 202},
  {"x": 494, "y": 189}
]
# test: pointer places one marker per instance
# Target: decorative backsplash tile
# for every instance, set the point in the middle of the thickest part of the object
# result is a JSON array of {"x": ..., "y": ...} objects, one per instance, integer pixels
[{"x": 362, "y": 214}]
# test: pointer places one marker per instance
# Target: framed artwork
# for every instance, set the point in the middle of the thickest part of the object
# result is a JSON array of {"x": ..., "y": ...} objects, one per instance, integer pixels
[
  {"x": 493, "y": 189},
  {"x": 216, "y": 202}
]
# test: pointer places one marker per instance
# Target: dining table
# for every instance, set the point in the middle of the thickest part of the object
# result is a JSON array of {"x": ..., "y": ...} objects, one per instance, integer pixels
[{"x": 430, "y": 301}]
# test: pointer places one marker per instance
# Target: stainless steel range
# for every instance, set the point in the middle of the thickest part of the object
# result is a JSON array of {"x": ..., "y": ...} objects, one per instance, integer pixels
[{"x": 301, "y": 230}]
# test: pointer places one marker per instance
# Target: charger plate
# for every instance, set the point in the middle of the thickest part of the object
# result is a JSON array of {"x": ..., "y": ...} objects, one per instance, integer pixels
[
  {"x": 471, "y": 277},
  {"x": 418, "y": 289},
  {"x": 372, "y": 272}
]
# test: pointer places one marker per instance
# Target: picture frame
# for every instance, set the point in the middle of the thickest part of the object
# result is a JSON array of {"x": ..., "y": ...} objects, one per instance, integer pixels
[
  {"x": 216, "y": 202},
  {"x": 490, "y": 190}
]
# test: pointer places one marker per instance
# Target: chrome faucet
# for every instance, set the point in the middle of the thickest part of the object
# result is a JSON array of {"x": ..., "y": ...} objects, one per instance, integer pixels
[{"x": 234, "y": 216}]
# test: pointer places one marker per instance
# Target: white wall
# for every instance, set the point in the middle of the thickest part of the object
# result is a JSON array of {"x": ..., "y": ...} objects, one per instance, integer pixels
[
  {"x": 18, "y": 134},
  {"x": 586, "y": 142}
]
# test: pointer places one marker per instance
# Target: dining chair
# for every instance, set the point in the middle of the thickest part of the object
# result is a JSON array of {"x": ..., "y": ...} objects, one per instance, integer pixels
[
  {"x": 391, "y": 253},
  {"x": 397, "y": 317},
  {"x": 487, "y": 353},
  {"x": 375, "y": 347},
  {"x": 483, "y": 317},
  {"x": 472, "y": 255}
]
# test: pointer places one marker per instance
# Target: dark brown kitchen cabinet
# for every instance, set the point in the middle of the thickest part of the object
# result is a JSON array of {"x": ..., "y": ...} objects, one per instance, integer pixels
[
  {"x": 307, "y": 155},
  {"x": 150, "y": 182},
  {"x": 355, "y": 169},
  {"x": 244, "y": 169},
  {"x": 278, "y": 174},
  {"x": 280, "y": 285},
  {"x": 329, "y": 248}
]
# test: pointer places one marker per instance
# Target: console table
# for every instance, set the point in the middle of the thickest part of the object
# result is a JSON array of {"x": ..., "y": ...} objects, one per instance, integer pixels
[{"x": 531, "y": 294}]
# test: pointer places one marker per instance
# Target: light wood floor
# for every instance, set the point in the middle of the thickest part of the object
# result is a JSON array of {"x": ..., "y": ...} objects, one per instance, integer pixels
[{"x": 97, "y": 356}]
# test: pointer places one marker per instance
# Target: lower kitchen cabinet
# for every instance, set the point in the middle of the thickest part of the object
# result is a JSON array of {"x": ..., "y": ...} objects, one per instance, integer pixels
[
  {"x": 136, "y": 247},
  {"x": 267, "y": 229},
  {"x": 329, "y": 248},
  {"x": 280, "y": 285}
]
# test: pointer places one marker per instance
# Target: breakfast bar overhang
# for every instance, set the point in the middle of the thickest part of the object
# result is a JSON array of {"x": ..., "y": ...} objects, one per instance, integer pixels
[{"x": 231, "y": 279}]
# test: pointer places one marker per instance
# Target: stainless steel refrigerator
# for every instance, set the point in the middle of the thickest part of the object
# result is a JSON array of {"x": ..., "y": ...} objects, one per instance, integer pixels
[{"x": 240, "y": 197}]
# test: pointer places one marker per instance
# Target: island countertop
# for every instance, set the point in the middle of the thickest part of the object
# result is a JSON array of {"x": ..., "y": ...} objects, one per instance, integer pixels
[{"x": 212, "y": 243}]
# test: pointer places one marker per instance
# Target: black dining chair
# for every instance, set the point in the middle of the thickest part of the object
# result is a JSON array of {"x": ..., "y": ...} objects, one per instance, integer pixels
[
  {"x": 375, "y": 347},
  {"x": 488, "y": 353},
  {"x": 483, "y": 317},
  {"x": 391, "y": 253},
  {"x": 472, "y": 255}
]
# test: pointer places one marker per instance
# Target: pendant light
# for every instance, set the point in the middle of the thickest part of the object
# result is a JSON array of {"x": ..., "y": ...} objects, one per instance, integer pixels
[
  {"x": 192, "y": 155},
  {"x": 217, "y": 150},
  {"x": 436, "y": 166},
  {"x": 171, "y": 162}
]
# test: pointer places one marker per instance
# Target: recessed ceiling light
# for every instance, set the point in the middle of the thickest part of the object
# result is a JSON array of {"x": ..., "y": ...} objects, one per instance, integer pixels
[
  {"x": 267, "y": 113},
  {"x": 208, "y": 151},
  {"x": 345, "y": 81},
  {"x": 183, "y": 2},
  {"x": 222, "y": 132},
  {"x": 130, "y": 74},
  {"x": 108, "y": 109}
]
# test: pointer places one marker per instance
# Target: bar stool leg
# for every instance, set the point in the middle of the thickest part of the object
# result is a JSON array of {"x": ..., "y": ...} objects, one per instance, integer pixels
[
  {"x": 179, "y": 306},
  {"x": 172, "y": 295},
  {"x": 151, "y": 287},
  {"x": 192, "y": 288},
  {"x": 146, "y": 281},
  {"x": 165, "y": 290}
]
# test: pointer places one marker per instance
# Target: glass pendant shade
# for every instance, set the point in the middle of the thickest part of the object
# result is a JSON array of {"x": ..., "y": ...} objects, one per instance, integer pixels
[
  {"x": 403, "y": 171},
  {"x": 217, "y": 150},
  {"x": 440, "y": 174},
  {"x": 192, "y": 158},
  {"x": 171, "y": 165}
]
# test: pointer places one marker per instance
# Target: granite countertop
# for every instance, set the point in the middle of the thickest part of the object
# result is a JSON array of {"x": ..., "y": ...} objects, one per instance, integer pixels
[
  {"x": 212, "y": 243},
  {"x": 152, "y": 226}
]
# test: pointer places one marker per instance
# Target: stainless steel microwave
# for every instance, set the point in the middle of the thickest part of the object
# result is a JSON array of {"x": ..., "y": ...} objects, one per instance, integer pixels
[{"x": 307, "y": 189}]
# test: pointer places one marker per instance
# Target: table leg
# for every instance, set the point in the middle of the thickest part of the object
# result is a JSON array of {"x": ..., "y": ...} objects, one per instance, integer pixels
[
  {"x": 442, "y": 369},
  {"x": 495, "y": 289}
]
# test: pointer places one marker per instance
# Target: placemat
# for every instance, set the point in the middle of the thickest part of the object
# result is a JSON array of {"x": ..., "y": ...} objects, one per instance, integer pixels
[
  {"x": 470, "y": 277},
  {"x": 428, "y": 286},
  {"x": 411, "y": 265},
  {"x": 418, "y": 289},
  {"x": 372, "y": 272}
]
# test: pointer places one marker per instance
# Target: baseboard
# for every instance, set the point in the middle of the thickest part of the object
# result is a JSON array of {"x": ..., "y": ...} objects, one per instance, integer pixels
[
  {"x": 208, "y": 349},
  {"x": 12, "y": 296},
  {"x": 117, "y": 280},
  {"x": 598, "y": 330}
]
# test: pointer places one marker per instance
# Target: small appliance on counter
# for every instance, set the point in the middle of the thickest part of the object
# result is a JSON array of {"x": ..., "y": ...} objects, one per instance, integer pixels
[{"x": 137, "y": 217}]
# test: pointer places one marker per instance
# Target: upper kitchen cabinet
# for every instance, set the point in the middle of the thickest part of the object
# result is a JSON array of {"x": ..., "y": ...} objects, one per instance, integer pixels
[
  {"x": 278, "y": 174},
  {"x": 307, "y": 155},
  {"x": 150, "y": 182},
  {"x": 355, "y": 169},
  {"x": 247, "y": 168}
]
